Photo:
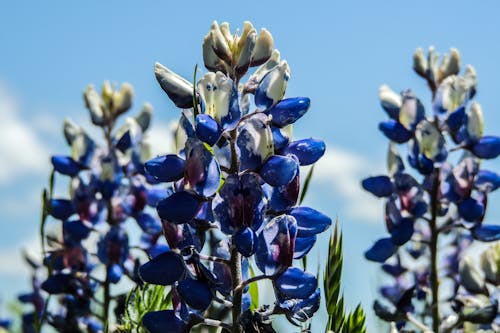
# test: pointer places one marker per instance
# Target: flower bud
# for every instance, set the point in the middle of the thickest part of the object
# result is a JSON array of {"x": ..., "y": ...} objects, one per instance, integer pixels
[
  {"x": 470, "y": 277},
  {"x": 178, "y": 89},
  {"x": 419, "y": 62},
  {"x": 391, "y": 101},
  {"x": 219, "y": 42},
  {"x": 144, "y": 117},
  {"x": 94, "y": 104},
  {"x": 450, "y": 65},
  {"x": 475, "y": 122},
  {"x": 271, "y": 88},
  {"x": 70, "y": 130},
  {"x": 122, "y": 100},
  {"x": 490, "y": 264},
  {"x": 263, "y": 49}
]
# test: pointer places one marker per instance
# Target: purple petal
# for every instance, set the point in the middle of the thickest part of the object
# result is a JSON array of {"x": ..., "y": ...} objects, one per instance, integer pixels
[
  {"x": 402, "y": 231},
  {"x": 66, "y": 165},
  {"x": 394, "y": 131},
  {"x": 245, "y": 241},
  {"x": 202, "y": 171},
  {"x": 207, "y": 129},
  {"x": 471, "y": 210},
  {"x": 276, "y": 245},
  {"x": 61, "y": 209},
  {"x": 303, "y": 246},
  {"x": 284, "y": 197},
  {"x": 487, "y": 181}
]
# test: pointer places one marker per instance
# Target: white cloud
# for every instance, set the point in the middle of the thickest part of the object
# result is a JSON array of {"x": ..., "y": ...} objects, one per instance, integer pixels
[
  {"x": 21, "y": 150},
  {"x": 341, "y": 171}
]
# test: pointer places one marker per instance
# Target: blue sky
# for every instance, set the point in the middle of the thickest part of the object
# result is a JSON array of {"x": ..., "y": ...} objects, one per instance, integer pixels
[{"x": 339, "y": 52}]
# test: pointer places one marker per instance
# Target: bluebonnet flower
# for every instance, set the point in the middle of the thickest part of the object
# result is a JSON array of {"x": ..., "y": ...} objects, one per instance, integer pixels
[
  {"x": 108, "y": 187},
  {"x": 433, "y": 204},
  {"x": 234, "y": 181}
]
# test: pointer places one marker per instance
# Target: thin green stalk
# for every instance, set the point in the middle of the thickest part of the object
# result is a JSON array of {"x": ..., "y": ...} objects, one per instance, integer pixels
[{"x": 107, "y": 300}]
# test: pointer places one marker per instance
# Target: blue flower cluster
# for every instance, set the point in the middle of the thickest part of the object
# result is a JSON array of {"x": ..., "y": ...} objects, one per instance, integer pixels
[
  {"x": 435, "y": 201},
  {"x": 108, "y": 186},
  {"x": 233, "y": 188}
]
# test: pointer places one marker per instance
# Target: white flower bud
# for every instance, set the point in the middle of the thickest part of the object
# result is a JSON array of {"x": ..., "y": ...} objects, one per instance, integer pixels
[
  {"x": 470, "y": 277},
  {"x": 419, "y": 62},
  {"x": 94, "y": 104}
]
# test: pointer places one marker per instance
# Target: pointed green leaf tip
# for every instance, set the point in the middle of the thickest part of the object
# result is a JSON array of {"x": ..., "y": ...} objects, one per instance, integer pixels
[{"x": 338, "y": 320}]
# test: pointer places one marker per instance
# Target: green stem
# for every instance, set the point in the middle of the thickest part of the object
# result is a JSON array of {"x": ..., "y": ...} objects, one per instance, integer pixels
[
  {"x": 237, "y": 292},
  {"x": 434, "y": 278},
  {"x": 107, "y": 300}
]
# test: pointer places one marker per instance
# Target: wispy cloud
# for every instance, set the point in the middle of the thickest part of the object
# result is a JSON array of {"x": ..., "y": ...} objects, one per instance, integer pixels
[
  {"x": 340, "y": 172},
  {"x": 21, "y": 150}
]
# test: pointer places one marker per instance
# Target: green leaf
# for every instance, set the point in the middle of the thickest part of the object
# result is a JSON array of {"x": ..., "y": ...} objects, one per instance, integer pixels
[
  {"x": 306, "y": 184},
  {"x": 254, "y": 291}
]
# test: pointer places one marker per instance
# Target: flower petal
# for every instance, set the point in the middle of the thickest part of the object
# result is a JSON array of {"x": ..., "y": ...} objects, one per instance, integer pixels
[
  {"x": 296, "y": 283},
  {"x": 168, "y": 168},
  {"x": 487, "y": 233},
  {"x": 289, "y": 110},
  {"x": 178, "y": 208},
  {"x": 308, "y": 151},
  {"x": 271, "y": 88},
  {"x": 165, "y": 321},
  {"x": 254, "y": 142},
  {"x": 202, "y": 171},
  {"x": 487, "y": 147},
  {"x": 309, "y": 221},
  {"x": 195, "y": 293},
  {"x": 380, "y": 186},
  {"x": 279, "y": 170},
  {"x": 207, "y": 129},
  {"x": 178, "y": 89},
  {"x": 164, "y": 269},
  {"x": 382, "y": 250}
]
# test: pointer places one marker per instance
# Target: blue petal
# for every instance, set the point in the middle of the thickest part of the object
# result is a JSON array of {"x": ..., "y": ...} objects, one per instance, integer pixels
[
  {"x": 380, "y": 186},
  {"x": 113, "y": 247},
  {"x": 276, "y": 245},
  {"x": 202, "y": 171},
  {"x": 382, "y": 250},
  {"x": 115, "y": 273},
  {"x": 296, "y": 283},
  {"x": 66, "y": 165},
  {"x": 487, "y": 233},
  {"x": 61, "y": 209},
  {"x": 271, "y": 87},
  {"x": 309, "y": 221},
  {"x": 163, "y": 322},
  {"x": 168, "y": 168},
  {"x": 157, "y": 249},
  {"x": 487, "y": 147},
  {"x": 402, "y": 231},
  {"x": 303, "y": 245},
  {"x": 239, "y": 203},
  {"x": 195, "y": 293},
  {"x": 394, "y": 131},
  {"x": 207, "y": 129},
  {"x": 487, "y": 181},
  {"x": 471, "y": 210},
  {"x": 57, "y": 284},
  {"x": 231, "y": 119},
  {"x": 154, "y": 195},
  {"x": 284, "y": 197},
  {"x": 178, "y": 208},
  {"x": 245, "y": 241},
  {"x": 164, "y": 269},
  {"x": 302, "y": 309},
  {"x": 308, "y": 151},
  {"x": 289, "y": 110},
  {"x": 75, "y": 230},
  {"x": 456, "y": 119},
  {"x": 279, "y": 170},
  {"x": 280, "y": 140},
  {"x": 148, "y": 223}
]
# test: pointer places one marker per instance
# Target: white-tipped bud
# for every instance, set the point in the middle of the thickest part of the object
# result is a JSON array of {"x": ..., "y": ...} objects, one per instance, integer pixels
[
  {"x": 178, "y": 89},
  {"x": 144, "y": 117},
  {"x": 273, "y": 61},
  {"x": 389, "y": 99},
  {"x": 246, "y": 45},
  {"x": 215, "y": 90},
  {"x": 470, "y": 277},
  {"x": 219, "y": 43},
  {"x": 419, "y": 62},
  {"x": 475, "y": 122},
  {"x": 71, "y": 130},
  {"x": 106, "y": 92},
  {"x": 453, "y": 65},
  {"x": 122, "y": 100},
  {"x": 94, "y": 104},
  {"x": 263, "y": 48}
]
